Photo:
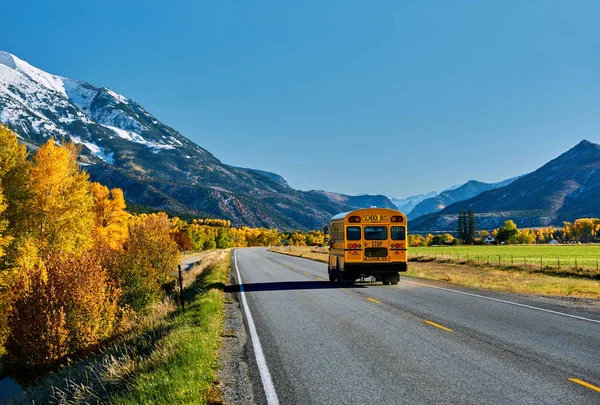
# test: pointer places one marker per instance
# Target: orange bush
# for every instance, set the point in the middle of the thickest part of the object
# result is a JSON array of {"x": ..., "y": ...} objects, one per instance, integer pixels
[{"x": 64, "y": 307}]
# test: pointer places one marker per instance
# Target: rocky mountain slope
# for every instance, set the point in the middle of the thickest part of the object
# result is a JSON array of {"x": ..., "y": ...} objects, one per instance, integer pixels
[
  {"x": 564, "y": 189},
  {"x": 125, "y": 146}
]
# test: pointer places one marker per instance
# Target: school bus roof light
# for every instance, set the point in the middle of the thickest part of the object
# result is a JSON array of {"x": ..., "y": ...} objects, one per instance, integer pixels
[
  {"x": 354, "y": 219},
  {"x": 397, "y": 219}
]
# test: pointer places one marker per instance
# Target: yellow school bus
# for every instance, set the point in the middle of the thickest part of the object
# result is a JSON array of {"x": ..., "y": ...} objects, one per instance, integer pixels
[{"x": 367, "y": 242}]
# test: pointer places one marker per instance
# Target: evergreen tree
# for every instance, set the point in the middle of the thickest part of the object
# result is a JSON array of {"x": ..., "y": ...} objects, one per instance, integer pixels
[
  {"x": 472, "y": 227},
  {"x": 461, "y": 229}
]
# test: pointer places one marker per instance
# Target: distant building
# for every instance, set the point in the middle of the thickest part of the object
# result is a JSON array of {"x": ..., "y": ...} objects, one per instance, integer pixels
[
  {"x": 489, "y": 240},
  {"x": 553, "y": 242}
]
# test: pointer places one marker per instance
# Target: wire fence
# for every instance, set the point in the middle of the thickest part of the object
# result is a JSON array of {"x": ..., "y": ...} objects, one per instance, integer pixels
[{"x": 558, "y": 263}]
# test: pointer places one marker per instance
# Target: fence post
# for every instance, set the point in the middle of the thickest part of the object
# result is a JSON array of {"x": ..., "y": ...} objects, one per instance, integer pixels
[
  {"x": 181, "y": 288},
  {"x": 575, "y": 262},
  {"x": 498, "y": 260},
  {"x": 559, "y": 262},
  {"x": 596, "y": 264},
  {"x": 541, "y": 262},
  {"x": 512, "y": 259},
  {"x": 525, "y": 260}
]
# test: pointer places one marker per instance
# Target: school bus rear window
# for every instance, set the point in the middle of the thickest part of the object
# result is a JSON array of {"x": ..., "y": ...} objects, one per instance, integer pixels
[
  {"x": 353, "y": 233},
  {"x": 375, "y": 232},
  {"x": 398, "y": 232}
]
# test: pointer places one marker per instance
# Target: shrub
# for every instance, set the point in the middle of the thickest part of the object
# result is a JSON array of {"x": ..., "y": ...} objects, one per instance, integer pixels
[
  {"x": 147, "y": 265},
  {"x": 63, "y": 307}
]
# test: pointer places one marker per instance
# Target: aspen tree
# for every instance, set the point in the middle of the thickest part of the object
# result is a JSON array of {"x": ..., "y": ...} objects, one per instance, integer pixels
[
  {"x": 110, "y": 222},
  {"x": 60, "y": 208}
]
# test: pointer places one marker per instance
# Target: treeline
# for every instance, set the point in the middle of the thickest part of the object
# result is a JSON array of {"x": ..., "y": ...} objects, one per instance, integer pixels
[
  {"x": 195, "y": 235},
  {"x": 584, "y": 230}
]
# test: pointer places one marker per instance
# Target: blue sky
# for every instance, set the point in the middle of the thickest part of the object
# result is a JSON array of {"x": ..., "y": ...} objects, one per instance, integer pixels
[{"x": 380, "y": 97}]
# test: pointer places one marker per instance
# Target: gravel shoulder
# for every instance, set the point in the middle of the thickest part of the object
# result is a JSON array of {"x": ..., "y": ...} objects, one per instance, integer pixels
[{"x": 236, "y": 385}]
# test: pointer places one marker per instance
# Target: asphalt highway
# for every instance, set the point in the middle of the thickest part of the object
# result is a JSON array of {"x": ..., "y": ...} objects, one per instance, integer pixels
[{"x": 314, "y": 342}]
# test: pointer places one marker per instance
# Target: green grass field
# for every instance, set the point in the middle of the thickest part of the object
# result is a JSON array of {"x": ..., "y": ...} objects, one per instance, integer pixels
[{"x": 585, "y": 256}]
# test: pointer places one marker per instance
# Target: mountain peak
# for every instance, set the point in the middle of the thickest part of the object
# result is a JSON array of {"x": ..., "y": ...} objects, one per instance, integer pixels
[
  {"x": 586, "y": 145},
  {"x": 7, "y": 59},
  {"x": 47, "y": 80}
]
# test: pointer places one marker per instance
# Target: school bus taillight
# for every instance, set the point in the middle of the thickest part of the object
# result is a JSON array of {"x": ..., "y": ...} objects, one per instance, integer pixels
[
  {"x": 397, "y": 219},
  {"x": 354, "y": 219}
]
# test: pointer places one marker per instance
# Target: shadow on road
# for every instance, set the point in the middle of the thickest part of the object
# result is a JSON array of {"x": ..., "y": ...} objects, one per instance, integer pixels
[{"x": 289, "y": 285}]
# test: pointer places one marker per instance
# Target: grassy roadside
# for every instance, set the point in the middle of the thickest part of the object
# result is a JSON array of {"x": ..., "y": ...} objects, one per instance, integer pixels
[
  {"x": 181, "y": 369},
  {"x": 507, "y": 279},
  {"x": 169, "y": 357}
]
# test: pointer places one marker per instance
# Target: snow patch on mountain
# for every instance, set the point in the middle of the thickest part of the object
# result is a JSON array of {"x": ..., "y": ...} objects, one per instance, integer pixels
[
  {"x": 95, "y": 149},
  {"x": 137, "y": 138}
]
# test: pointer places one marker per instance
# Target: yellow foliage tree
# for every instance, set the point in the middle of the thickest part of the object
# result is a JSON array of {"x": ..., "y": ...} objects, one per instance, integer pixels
[
  {"x": 4, "y": 240},
  {"x": 60, "y": 208},
  {"x": 110, "y": 223},
  {"x": 298, "y": 239},
  {"x": 14, "y": 178}
]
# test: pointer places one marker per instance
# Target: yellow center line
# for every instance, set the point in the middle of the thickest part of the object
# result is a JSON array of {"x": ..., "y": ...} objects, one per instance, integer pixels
[
  {"x": 587, "y": 385},
  {"x": 319, "y": 278},
  {"x": 305, "y": 273},
  {"x": 374, "y": 300},
  {"x": 437, "y": 326}
]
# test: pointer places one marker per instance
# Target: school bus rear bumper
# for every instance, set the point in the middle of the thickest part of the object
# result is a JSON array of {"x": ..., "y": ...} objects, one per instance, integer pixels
[{"x": 375, "y": 268}]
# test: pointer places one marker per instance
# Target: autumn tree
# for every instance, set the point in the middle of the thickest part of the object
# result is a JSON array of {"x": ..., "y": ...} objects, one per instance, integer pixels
[
  {"x": 146, "y": 267},
  {"x": 525, "y": 236},
  {"x": 585, "y": 229},
  {"x": 14, "y": 180},
  {"x": 110, "y": 217},
  {"x": 508, "y": 232},
  {"x": 4, "y": 240},
  {"x": 60, "y": 208},
  {"x": 298, "y": 239},
  {"x": 64, "y": 306}
]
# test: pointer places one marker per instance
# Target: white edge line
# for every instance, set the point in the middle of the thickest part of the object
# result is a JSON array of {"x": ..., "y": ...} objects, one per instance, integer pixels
[
  {"x": 265, "y": 375},
  {"x": 505, "y": 302}
]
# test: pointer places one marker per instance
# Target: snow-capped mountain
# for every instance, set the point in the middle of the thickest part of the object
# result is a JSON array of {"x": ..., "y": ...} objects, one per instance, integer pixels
[
  {"x": 125, "y": 146},
  {"x": 39, "y": 105}
]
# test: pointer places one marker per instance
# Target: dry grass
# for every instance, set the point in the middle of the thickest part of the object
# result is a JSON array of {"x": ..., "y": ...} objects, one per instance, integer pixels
[
  {"x": 518, "y": 280},
  {"x": 506, "y": 279},
  {"x": 308, "y": 252},
  {"x": 205, "y": 260}
]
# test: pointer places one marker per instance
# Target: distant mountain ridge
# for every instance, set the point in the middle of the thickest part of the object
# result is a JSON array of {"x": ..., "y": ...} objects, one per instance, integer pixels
[
  {"x": 468, "y": 190},
  {"x": 125, "y": 146},
  {"x": 406, "y": 205},
  {"x": 564, "y": 189}
]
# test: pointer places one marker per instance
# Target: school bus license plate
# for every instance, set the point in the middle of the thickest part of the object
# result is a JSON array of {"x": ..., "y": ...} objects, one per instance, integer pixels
[{"x": 375, "y": 259}]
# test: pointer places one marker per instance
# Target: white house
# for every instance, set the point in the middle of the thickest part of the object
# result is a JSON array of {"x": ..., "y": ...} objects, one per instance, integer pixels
[{"x": 489, "y": 240}]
